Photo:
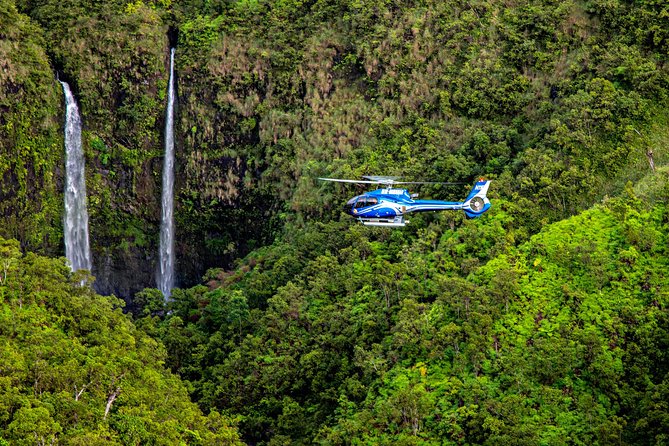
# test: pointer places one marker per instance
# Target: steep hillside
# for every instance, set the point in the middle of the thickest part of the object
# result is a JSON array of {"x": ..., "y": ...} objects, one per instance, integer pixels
[
  {"x": 350, "y": 335},
  {"x": 544, "y": 322}
]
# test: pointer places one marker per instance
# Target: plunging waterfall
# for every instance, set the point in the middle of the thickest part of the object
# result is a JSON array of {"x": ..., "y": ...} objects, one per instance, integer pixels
[
  {"x": 166, "y": 262},
  {"x": 75, "y": 227}
]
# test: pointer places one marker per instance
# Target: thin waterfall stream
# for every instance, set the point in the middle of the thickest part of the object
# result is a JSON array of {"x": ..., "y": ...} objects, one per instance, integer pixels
[
  {"x": 165, "y": 279},
  {"x": 75, "y": 224}
]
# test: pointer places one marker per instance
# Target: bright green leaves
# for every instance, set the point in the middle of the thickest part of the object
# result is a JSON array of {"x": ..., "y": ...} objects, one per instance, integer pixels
[
  {"x": 76, "y": 370},
  {"x": 32, "y": 425},
  {"x": 442, "y": 336},
  {"x": 198, "y": 36}
]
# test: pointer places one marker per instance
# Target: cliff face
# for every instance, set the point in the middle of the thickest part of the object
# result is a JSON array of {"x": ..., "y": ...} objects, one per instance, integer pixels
[
  {"x": 556, "y": 102},
  {"x": 115, "y": 56},
  {"x": 31, "y": 154}
]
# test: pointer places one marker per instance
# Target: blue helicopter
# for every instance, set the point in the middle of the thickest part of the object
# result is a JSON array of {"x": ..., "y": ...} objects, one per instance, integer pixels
[{"x": 388, "y": 206}]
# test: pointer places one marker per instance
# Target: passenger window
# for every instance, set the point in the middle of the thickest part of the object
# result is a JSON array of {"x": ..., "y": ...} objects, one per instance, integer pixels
[{"x": 367, "y": 201}]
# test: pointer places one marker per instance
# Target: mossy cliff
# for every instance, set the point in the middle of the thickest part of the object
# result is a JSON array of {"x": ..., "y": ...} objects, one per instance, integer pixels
[
  {"x": 115, "y": 56},
  {"x": 560, "y": 102},
  {"x": 31, "y": 153}
]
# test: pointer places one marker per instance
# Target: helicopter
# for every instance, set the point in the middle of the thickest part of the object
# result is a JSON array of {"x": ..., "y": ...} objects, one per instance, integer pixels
[{"x": 389, "y": 205}]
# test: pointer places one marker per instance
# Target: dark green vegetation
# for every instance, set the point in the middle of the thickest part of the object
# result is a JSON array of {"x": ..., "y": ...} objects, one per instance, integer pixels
[
  {"x": 31, "y": 154},
  {"x": 75, "y": 370},
  {"x": 558, "y": 101},
  {"x": 545, "y": 322}
]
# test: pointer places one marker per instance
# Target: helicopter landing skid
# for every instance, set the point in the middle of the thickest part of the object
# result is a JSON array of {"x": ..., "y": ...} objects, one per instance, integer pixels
[{"x": 392, "y": 222}]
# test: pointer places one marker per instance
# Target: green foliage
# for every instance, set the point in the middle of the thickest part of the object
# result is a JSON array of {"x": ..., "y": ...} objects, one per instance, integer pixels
[
  {"x": 497, "y": 331},
  {"x": 437, "y": 336},
  {"x": 149, "y": 301},
  {"x": 77, "y": 371}
]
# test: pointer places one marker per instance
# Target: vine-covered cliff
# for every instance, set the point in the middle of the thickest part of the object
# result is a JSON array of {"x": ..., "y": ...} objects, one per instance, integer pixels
[{"x": 559, "y": 102}]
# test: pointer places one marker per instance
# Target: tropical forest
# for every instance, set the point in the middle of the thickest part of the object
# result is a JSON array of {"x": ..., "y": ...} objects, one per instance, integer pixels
[{"x": 173, "y": 270}]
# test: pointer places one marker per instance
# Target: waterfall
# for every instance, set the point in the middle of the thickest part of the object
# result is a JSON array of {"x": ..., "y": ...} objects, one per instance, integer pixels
[
  {"x": 166, "y": 258},
  {"x": 75, "y": 225}
]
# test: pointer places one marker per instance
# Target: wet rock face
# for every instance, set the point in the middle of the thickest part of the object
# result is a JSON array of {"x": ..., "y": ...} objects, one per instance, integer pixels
[
  {"x": 118, "y": 74},
  {"x": 125, "y": 258},
  {"x": 123, "y": 273}
]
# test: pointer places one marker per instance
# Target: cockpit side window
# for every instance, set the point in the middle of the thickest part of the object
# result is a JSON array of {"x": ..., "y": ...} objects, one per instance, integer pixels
[{"x": 366, "y": 201}]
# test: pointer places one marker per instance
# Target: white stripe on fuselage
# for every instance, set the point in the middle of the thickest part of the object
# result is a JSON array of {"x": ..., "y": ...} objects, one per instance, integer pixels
[{"x": 397, "y": 207}]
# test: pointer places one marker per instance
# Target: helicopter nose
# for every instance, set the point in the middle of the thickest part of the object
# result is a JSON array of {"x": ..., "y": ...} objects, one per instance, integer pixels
[{"x": 348, "y": 207}]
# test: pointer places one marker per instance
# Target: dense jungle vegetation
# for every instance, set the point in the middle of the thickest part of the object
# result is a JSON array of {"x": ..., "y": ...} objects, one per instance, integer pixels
[
  {"x": 546, "y": 321},
  {"x": 75, "y": 370}
]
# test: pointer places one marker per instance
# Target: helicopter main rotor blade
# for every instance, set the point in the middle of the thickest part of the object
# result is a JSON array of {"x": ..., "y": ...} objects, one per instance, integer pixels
[
  {"x": 381, "y": 179},
  {"x": 388, "y": 181},
  {"x": 339, "y": 180},
  {"x": 429, "y": 182}
]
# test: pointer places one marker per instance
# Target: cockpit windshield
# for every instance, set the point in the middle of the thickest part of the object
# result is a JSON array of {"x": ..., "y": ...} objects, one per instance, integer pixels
[{"x": 348, "y": 207}]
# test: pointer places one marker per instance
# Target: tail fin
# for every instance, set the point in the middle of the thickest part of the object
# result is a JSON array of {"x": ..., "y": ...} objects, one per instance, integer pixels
[{"x": 477, "y": 202}]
